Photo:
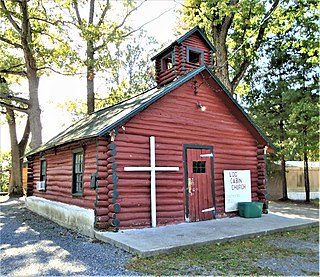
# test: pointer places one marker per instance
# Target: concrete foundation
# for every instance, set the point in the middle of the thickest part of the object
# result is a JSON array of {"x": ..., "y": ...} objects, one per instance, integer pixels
[{"x": 69, "y": 216}]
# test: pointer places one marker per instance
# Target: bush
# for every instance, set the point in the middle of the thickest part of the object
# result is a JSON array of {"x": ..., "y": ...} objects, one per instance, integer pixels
[{"x": 5, "y": 165}]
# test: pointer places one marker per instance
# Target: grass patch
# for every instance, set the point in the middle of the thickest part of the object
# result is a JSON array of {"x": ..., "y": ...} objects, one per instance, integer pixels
[
  {"x": 237, "y": 257},
  {"x": 315, "y": 203}
]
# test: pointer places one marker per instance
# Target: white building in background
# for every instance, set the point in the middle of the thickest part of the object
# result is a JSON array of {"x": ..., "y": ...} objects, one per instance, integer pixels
[{"x": 295, "y": 181}]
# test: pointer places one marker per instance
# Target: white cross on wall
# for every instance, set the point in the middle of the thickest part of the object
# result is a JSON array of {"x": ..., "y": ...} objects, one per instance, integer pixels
[{"x": 152, "y": 168}]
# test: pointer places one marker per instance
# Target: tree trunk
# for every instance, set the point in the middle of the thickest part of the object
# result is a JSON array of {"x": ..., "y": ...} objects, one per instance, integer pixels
[
  {"x": 284, "y": 178},
  {"x": 34, "y": 110},
  {"x": 306, "y": 176},
  {"x": 221, "y": 61},
  {"x": 17, "y": 151},
  {"x": 33, "y": 79},
  {"x": 90, "y": 78},
  {"x": 221, "y": 65}
]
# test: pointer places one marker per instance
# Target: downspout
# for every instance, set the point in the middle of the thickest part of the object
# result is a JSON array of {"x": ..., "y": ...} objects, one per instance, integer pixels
[{"x": 265, "y": 205}]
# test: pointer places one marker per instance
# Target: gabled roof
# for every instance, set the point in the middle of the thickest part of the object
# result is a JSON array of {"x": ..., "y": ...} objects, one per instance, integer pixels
[
  {"x": 184, "y": 37},
  {"x": 103, "y": 121}
]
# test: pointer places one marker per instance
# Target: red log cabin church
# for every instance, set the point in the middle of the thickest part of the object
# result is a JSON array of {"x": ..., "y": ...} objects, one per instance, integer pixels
[{"x": 155, "y": 159}]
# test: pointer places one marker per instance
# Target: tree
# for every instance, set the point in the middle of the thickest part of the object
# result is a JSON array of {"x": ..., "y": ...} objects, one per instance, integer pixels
[
  {"x": 284, "y": 98},
  {"x": 131, "y": 73},
  {"x": 100, "y": 33},
  {"x": 31, "y": 44},
  {"x": 237, "y": 28},
  {"x": 5, "y": 165},
  {"x": 17, "y": 148},
  {"x": 267, "y": 104},
  {"x": 304, "y": 131}
]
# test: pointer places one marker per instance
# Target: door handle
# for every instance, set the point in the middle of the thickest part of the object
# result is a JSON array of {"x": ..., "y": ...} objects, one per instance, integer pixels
[{"x": 190, "y": 185}]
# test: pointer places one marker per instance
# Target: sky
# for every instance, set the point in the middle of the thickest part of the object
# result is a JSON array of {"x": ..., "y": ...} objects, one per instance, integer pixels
[{"x": 57, "y": 89}]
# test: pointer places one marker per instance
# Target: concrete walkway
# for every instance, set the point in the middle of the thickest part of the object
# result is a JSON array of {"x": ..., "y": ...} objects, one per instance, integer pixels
[{"x": 153, "y": 241}]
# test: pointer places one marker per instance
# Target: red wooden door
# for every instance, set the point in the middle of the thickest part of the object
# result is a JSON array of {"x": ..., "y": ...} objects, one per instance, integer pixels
[{"x": 199, "y": 187}]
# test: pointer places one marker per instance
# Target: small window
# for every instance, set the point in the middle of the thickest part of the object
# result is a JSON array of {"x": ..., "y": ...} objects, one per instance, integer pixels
[
  {"x": 77, "y": 180},
  {"x": 194, "y": 56},
  {"x": 199, "y": 167},
  {"x": 43, "y": 170},
  {"x": 167, "y": 62}
]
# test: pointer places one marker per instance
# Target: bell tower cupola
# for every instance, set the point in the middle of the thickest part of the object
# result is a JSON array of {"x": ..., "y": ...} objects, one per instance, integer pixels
[{"x": 188, "y": 52}]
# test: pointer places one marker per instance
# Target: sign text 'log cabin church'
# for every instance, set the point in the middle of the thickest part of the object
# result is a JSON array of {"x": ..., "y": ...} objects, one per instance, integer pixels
[{"x": 157, "y": 158}]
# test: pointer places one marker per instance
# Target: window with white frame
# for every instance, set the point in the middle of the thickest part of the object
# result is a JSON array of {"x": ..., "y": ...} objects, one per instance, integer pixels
[
  {"x": 77, "y": 172},
  {"x": 43, "y": 170}
]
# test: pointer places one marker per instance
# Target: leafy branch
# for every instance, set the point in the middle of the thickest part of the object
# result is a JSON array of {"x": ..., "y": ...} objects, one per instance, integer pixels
[
  {"x": 14, "y": 107},
  {"x": 8, "y": 41},
  {"x": 261, "y": 32},
  {"x": 10, "y": 18}
]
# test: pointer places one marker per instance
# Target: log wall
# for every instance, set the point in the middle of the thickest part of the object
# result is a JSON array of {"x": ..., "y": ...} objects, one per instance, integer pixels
[
  {"x": 261, "y": 185},
  {"x": 176, "y": 120},
  {"x": 59, "y": 174},
  {"x": 107, "y": 207},
  {"x": 181, "y": 66}
]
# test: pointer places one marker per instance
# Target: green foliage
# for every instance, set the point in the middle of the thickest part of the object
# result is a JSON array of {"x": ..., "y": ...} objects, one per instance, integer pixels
[
  {"x": 47, "y": 41},
  {"x": 237, "y": 30},
  {"x": 76, "y": 108},
  {"x": 284, "y": 99},
  {"x": 304, "y": 127},
  {"x": 134, "y": 72},
  {"x": 5, "y": 166},
  {"x": 131, "y": 73},
  {"x": 97, "y": 26}
]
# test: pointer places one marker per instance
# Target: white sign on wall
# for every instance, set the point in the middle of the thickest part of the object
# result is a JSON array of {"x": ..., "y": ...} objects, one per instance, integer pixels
[{"x": 237, "y": 188}]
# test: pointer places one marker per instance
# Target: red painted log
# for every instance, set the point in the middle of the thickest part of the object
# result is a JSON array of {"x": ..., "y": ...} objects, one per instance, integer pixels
[
  {"x": 112, "y": 215},
  {"x": 101, "y": 143},
  {"x": 139, "y": 209},
  {"x": 138, "y": 216},
  {"x": 102, "y": 197},
  {"x": 115, "y": 208},
  {"x": 103, "y": 218},
  {"x": 170, "y": 208},
  {"x": 168, "y": 214},
  {"x": 125, "y": 224},
  {"x": 102, "y": 203},
  {"x": 103, "y": 146},
  {"x": 101, "y": 211},
  {"x": 109, "y": 178},
  {"x": 133, "y": 202},
  {"x": 102, "y": 175},
  {"x": 101, "y": 155},
  {"x": 89, "y": 192},
  {"x": 102, "y": 183},
  {"x": 103, "y": 225}
]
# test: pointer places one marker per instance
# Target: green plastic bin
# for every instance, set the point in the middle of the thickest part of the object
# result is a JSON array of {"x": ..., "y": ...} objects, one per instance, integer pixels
[{"x": 250, "y": 209}]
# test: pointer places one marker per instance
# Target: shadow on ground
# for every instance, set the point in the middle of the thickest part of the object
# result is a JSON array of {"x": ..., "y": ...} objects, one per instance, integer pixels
[
  {"x": 293, "y": 209},
  {"x": 32, "y": 245}
]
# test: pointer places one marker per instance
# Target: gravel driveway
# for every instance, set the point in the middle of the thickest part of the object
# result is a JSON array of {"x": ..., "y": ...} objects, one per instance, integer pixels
[
  {"x": 31, "y": 245},
  {"x": 27, "y": 250}
]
